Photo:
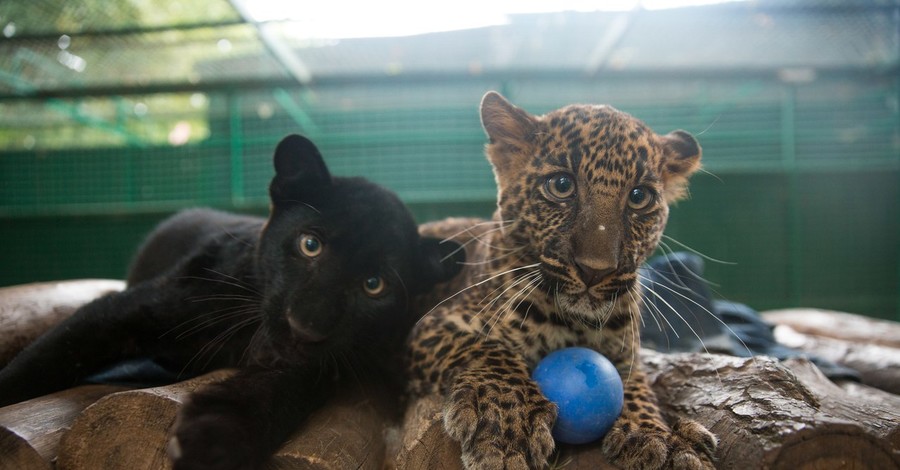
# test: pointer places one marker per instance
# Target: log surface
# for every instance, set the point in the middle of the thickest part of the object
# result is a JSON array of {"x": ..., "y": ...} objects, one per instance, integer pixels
[
  {"x": 131, "y": 429},
  {"x": 837, "y": 325},
  {"x": 30, "y": 431},
  {"x": 765, "y": 415},
  {"x": 128, "y": 429}
]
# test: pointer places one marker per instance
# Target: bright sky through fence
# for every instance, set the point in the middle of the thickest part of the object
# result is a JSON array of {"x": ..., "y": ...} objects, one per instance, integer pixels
[{"x": 339, "y": 19}]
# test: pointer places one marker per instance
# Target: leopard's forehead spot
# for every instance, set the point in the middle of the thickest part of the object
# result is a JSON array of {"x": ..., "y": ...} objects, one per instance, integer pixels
[{"x": 605, "y": 146}]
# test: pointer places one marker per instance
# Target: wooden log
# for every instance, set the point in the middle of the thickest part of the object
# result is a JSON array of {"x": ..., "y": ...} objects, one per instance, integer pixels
[
  {"x": 128, "y": 429},
  {"x": 877, "y": 411},
  {"x": 423, "y": 443},
  {"x": 837, "y": 325},
  {"x": 349, "y": 432},
  {"x": 425, "y": 446},
  {"x": 26, "y": 311},
  {"x": 30, "y": 431},
  {"x": 765, "y": 416},
  {"x": 131, "y": 430},
  {"x": 878, "y": 366}
]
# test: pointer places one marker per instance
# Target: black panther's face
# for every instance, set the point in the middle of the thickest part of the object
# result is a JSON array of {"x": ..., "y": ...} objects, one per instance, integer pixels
[{"x": 341, "y": 258}]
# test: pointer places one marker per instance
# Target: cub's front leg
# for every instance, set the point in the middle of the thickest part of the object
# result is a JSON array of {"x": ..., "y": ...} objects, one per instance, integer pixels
[
  {"x": 237, "y": 424},
  {"x": 491, "y": 405},
  {"x": 641, "y": 439}
]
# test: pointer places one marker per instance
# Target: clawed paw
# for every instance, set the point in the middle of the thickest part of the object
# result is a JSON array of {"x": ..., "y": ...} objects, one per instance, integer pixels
[
  {"x": 499, "y": 426},
  {"x": 209, "y": 441},
  {"x": 689, "y": 446}
]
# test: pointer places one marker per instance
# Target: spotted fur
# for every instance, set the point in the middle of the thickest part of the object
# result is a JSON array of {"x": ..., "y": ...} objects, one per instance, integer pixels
[{"x": 584, "y": 193}]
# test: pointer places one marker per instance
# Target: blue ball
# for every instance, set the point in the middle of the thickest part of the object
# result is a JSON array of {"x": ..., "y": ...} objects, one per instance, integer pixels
[{"x": 586, "y": 388}]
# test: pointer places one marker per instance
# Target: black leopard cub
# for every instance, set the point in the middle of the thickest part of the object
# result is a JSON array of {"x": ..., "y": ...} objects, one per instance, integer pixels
[{"x": 318, "y": 292}]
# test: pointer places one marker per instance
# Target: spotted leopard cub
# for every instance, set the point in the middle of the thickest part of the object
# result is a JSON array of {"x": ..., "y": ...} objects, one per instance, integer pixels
[{"x": 583, "y": 199}]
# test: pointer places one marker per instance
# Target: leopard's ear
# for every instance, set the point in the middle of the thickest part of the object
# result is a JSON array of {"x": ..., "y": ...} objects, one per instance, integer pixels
[
  {"x": 298, "y": 166},
  {"x": 682, "y": 159},
  {"x": 505, "y": 123}
]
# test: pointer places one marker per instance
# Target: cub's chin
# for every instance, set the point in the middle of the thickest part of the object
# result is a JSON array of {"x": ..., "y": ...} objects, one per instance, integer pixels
[{"x": 585, "y": 307}]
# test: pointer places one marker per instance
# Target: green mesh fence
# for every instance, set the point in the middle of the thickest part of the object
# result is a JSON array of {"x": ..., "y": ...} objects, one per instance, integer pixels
[{"x": 800, "y": 194}]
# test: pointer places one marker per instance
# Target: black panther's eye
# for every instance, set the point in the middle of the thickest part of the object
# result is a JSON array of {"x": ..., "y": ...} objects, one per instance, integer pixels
[
  {"x": 373, "y": 286},
  {"x": 310, "y": 245},
  {"x": 640, "y": 198},
  {"x": 560, "y": 186}
]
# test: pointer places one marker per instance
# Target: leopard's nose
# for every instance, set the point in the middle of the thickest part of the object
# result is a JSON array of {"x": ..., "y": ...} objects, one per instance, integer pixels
[{"x": 592, "y": 272}]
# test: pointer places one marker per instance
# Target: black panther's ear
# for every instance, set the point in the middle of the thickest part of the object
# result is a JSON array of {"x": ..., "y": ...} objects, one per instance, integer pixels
[
  {"x": 441, "y": 259},
  {"x": 298, "y": 163}
]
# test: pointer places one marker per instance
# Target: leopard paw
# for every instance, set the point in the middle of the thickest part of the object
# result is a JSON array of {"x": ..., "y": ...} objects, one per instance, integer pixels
[
  {"x": 499, "y": 425},
  {"x": 689, "y": 446}
]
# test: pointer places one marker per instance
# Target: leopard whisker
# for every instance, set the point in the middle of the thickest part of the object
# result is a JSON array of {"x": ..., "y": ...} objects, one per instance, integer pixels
[
  {"x": 655, "y": 312},
  {"x": 532, "y": 286},
  {"x": 496, "y": 258},
  {"x": 711, "y": 314},
  {"x": 675, "y": 279},
  {"x": 479, "y": 283},
  {"x": 523, "y": 293},
  {"x": 476, "y": 237},
  {"x": 468, "y": 229},
  {"x": 496, "y": 315},
  {"x": 702, "y": 255},
  {"x": 672, "y": 308}
]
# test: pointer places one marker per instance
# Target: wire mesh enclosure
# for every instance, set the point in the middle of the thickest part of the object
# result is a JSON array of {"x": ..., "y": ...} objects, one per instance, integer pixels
[{"x": 111, "y": 118}]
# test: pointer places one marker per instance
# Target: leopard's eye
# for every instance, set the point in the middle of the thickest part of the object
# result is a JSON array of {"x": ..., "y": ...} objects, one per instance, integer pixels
[
  {"x": 640, "y": 198},
  {"x": 310, "y": 245},
  {"x": 560, "y": 186},
  {"x": 374, "y": 286}
]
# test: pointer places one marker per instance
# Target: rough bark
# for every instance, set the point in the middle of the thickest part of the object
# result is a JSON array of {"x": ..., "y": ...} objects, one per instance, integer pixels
[
  {"x": 765, "y": 415},
  {"x": 768, "y": 416},
  {"x": 30, "y": 431},
  {"x": 131, "y": 429},
  {"x": 349, "y": 432},
  {"x": 128, "y": 429},
  {"x": 26, "y": 311}
]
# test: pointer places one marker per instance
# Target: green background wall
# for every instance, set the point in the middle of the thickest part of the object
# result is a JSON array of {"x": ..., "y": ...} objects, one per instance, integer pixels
[{"x": 800, "y": 195}]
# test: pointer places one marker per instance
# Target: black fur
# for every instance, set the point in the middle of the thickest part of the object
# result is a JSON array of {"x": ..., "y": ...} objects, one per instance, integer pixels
[{"x": 210, "y": 289}]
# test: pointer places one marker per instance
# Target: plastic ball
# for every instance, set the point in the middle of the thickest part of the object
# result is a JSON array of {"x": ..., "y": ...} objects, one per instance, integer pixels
[{"x": 586, "y": 388}]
